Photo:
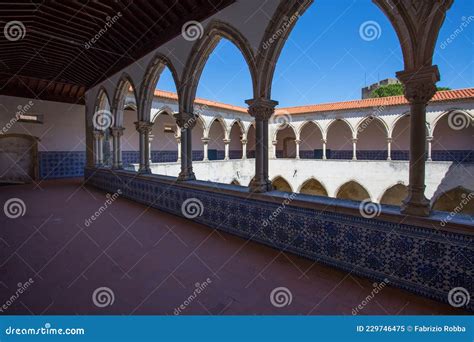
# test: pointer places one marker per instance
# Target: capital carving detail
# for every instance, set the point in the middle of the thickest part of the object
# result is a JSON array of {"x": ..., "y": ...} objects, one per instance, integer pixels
[
  {"x": 261, "y": 109},
  {"x": 116, "y": 131},
  {"x": 185, "y": 120},
  {"x": 143, "y": 127},
  {"x": 420, "y": 85}
]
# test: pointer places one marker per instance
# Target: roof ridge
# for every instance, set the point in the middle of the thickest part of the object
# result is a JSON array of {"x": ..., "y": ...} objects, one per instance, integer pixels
[{"x": 442, "y": 95}]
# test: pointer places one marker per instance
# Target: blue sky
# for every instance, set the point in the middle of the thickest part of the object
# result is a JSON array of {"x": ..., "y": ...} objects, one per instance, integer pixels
[{"x": 325, "y": 59}]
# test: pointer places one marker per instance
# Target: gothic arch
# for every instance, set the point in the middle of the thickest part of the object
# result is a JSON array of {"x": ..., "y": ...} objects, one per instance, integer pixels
[
  {"x": 313, "y": 187},
  {"x": 152, "y": 76},
  {"x": 120, "y": 97},
  {"x": 394, "y": 195},
  {"x": 340, "y": 119},
  {"x": 280, "y": 184},
  {"x": 223, "y": 125},
  {"x": 283, "y": 127},
  {"x": 268, "y": 57},
  {"x": 417, "y": 24},
  {"x": 352, "y": 190},
  {"x": 446, "y": 113},
  {"x": 165, "y": 109},
  {"x": 458, "y": 200},
  {"x": 100, "y": 99},
  {"x": 300, "y": 129},
  {"x": 372, "y": 118},
  {"x": 202, "y": 49}
]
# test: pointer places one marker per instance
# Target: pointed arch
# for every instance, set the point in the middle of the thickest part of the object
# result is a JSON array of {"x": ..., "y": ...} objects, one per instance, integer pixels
[
  {"x": 313, "y": 187},
  {"x": 124, "y": 85},
  {"x": 395, "y": 122},
  {"x": 280, "y": 184},
  {"x": 394, "y": 195},
  {"x": 452, "y": 111},
  {"x": 202, "y": 49},
  {"x": 339, "y": 135},
  {"x": 240, "y": 124},
  {"x": 303, "y": 126},
  {"x": 165, "y": 109},
  {"x": 221, "y": 120},
  {"x": 354, "y": 191},
  {"x": 283, "y": 127},
  {"x": 102, "y": 99},
  {"x": 311, "y": 145},
  {"x": 366, "y": 121},
  {"x": 286, "y": 16},
  {"x": 152, "y": 75},
  {"x": 458, "y": 200}
]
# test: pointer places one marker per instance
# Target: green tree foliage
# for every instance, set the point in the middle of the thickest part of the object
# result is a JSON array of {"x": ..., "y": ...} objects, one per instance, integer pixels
[{"x": 394, "y": 90}]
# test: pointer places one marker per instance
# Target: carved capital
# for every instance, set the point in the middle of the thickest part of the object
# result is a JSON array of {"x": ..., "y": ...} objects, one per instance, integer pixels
[
  {"x": 205, "y": 140},
  {"x": 243, "y": 141},
  {"x": 116, "y": 131},
  {"x": 143, "y": 127},
  {"x": 185, "y": 120},
  {"x": 261, "y": 109},
  {"x": 420, "y": 85},
  {"x": 226, "y": 141},
  {"x": 98, "y": 134}
]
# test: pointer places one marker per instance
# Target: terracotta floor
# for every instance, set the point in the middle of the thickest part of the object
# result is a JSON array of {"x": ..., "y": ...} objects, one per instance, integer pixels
[{"x": 152, "y": 260}]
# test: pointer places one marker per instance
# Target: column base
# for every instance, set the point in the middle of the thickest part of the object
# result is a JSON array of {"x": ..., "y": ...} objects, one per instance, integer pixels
[
  {"x": 145, "y": 171},
  {"x": 186, "y": 176},
  {"x": 259, "y": 186},
  {"x": 416, "y": 208}
]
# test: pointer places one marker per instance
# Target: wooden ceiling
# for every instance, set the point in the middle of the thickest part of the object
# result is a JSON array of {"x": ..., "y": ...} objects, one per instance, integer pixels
[{"x": 43, "y": 44}]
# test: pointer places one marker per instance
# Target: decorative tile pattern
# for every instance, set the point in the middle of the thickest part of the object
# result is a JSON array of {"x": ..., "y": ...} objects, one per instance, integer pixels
[
  {"x": 426, "y": 261},
  {"x": 61, "y": 164}
]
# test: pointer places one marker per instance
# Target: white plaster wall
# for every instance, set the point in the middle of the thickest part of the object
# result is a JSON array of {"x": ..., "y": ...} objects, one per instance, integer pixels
[
  {"x": 440, "y": 176},
  {"x": 63, "y": 128}
]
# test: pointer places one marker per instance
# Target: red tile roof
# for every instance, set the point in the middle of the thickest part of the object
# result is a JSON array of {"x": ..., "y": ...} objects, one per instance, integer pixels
[{"x": 440, "y": 96}]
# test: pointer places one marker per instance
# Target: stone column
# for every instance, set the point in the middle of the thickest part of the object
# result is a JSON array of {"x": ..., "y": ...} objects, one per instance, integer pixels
[
  {"x": 178, "y": 140},
  {"x": 150, "y": 140},
  {"x": 244, "y": 148},
  {"x": 261, "y": 109},
  {"x": 144, "y": 129},
  {"x": 420, "y": 86},
  {"x": 205, "y": 142},
  {"x": 354, "y": 149},
  {"x": 324, "y": 148},
  {"x": 297, "y": 142},
  {"x": 389, "y": 148},
  {"x": 274, "y": 149},
  {"x": 186, "y": 122},
  {"x": 117, "y": 133},
  {"x": 430, "y": 144},
  {"x": 98, "y": 148},
  {"x": 226, "y": 149}
]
